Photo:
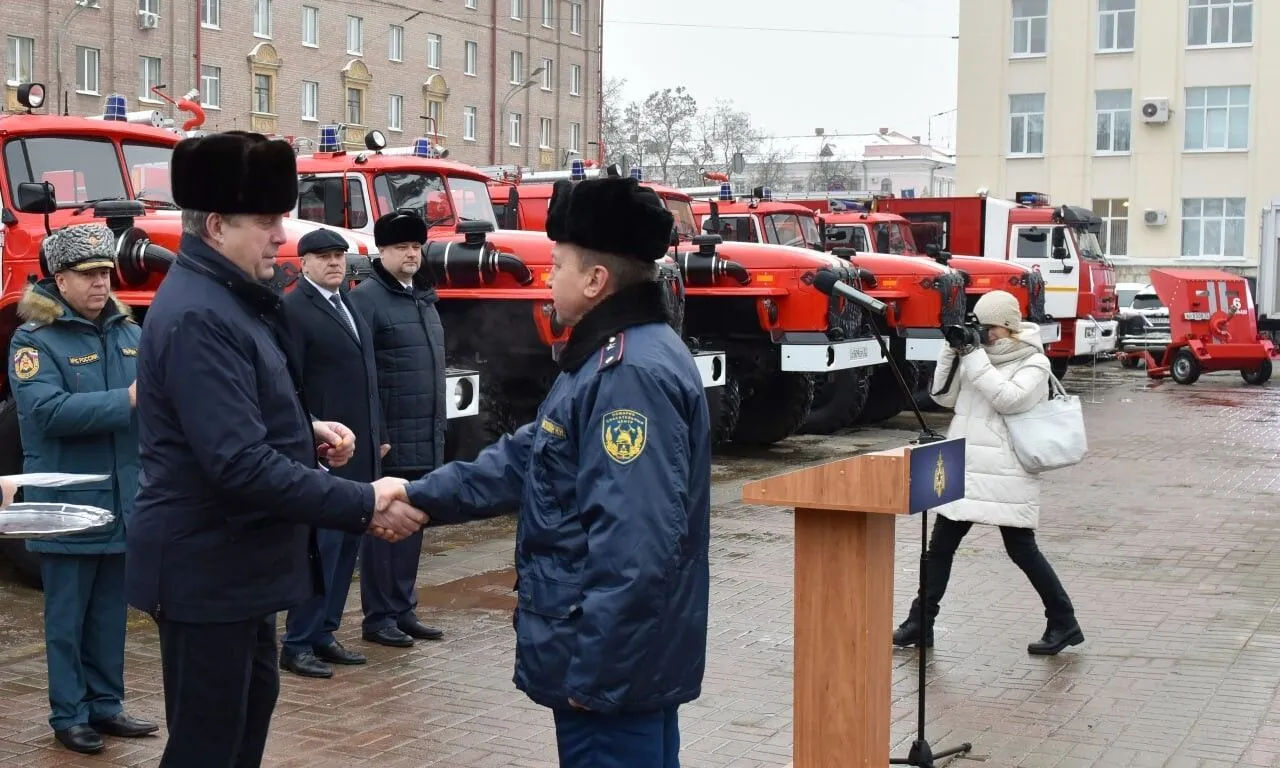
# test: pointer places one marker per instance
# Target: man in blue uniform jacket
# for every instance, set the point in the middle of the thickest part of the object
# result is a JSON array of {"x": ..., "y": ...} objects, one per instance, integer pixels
[
  {"x": 613, "y": 480},
  {"x": 229, "y": 492},
  {"x": 74, "y": 362}
]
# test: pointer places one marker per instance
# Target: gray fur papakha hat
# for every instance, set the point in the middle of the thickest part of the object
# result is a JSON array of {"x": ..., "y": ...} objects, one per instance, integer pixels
[{"x": 81, "y": 247}]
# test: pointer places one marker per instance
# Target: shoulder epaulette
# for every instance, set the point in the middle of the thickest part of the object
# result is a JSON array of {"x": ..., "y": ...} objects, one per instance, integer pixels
[{"x": 611, "y": 353}]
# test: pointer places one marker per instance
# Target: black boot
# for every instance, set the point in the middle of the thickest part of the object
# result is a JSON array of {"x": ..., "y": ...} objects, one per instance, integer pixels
[
  {"x": 908, "y": 634},
  {"x": 1057, "y": 638}
]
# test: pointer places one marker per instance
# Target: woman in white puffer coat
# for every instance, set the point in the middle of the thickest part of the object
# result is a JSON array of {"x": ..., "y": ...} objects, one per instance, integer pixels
[{"x": 1009, "y": 373}]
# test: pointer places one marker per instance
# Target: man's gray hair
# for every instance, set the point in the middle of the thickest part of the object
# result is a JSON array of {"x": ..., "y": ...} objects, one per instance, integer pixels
[{"x": 195, "y": 223}]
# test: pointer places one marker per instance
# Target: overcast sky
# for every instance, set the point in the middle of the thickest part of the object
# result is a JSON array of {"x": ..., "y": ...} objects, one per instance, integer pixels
[{"x": 852, "y": 66}]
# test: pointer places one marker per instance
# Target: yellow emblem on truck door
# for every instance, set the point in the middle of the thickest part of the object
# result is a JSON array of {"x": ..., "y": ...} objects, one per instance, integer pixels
[
  {"x": 623, "y": 433},
  {"x": 26, "y": 362}
]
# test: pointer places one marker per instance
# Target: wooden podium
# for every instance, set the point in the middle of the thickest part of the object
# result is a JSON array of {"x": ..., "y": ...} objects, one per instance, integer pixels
[{"x": 844, "y": 518}]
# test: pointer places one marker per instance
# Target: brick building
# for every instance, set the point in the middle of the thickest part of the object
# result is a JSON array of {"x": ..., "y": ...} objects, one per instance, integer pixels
[{"x": 451, "y": 69}]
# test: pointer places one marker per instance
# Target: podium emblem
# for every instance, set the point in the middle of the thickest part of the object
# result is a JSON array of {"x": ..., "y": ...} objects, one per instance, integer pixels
[
  {"x": 936, "y": 474},
  {"x": 940, "y": 477}
]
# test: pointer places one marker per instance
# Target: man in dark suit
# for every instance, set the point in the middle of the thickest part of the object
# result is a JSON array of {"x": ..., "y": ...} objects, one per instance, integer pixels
[{"x": 335, "y": 351}]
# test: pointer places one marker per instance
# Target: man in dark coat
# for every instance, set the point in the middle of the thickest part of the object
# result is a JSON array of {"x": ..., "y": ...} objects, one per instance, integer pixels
[
  {"x": 335, "y": 350},
  {"x": 230, "y": 488},
  {"x": 408, "y": 342},
  {"x": 613, "y": 480},
  {"x": 74, "y": 365}
]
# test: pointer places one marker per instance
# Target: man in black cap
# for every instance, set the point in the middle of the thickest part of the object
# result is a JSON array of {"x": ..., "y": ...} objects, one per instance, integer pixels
[
  {"x": 409, "y": 349},
  {"x": 335, "y": 353},
  {"x": 221, "y": 538},
  {"x": 613, "y": 480}
]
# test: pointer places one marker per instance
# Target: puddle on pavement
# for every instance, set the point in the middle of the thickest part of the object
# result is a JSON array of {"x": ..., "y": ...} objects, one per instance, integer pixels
[{"x": 486, "y": 591}]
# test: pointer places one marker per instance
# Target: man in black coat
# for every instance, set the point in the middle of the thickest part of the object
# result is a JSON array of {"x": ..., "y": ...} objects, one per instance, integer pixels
[
  {"x": 408, "y": 342},
  {"x": 335, "y": 352},
  {"x": 221, "y": 538}
]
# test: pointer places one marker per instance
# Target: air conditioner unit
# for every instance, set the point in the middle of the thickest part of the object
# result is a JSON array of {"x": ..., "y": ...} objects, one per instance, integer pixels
[
  {"x": 148, "y": 20},
  {"x": 1154, "y": 218},
  {"x": 1155, "y": 110}
]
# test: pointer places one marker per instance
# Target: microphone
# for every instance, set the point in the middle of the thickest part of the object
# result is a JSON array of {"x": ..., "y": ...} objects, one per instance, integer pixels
[{"x": 827, "y": 283}]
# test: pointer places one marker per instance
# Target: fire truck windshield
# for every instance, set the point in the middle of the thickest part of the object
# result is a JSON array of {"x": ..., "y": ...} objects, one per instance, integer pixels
[
  {"x": 1090, "y": 248},
  {"x": 149, "y": 170},
  {"x": 812, "y": 236},
  {"x": 80, "y": 169},
  {"x": 683, "y": 213},
  {"x": 891, "y": 238},
  {"x": 426, "y": 192}
]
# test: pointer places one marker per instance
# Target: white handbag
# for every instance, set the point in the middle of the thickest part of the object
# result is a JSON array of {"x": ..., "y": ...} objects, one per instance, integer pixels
[{"x": 1050, "y": 435}]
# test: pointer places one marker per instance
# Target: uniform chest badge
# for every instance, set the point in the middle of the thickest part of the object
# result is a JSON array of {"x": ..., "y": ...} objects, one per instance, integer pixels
[
  {"x": 26, "y": 362},
  {"x": 624, "y": 434}
]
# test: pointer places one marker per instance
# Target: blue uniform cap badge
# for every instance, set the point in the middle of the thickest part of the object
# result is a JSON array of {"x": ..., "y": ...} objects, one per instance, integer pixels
[{"x": 624, "y": 434}]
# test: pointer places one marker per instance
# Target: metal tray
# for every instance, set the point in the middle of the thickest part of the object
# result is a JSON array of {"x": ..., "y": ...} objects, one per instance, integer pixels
[{"x": 34, "y": 520}]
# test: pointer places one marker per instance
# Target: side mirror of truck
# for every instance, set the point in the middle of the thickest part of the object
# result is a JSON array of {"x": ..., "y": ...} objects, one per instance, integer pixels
[
  {"x": 1060, "y": 252},
  {"x": 36, "y": 197},
  {"x": 1059, "y": 241}
]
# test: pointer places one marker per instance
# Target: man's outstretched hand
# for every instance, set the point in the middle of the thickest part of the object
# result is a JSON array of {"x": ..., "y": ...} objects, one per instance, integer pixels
[
  {"x": 394, "y": 518},
  {"x": 334, "y": 442}
]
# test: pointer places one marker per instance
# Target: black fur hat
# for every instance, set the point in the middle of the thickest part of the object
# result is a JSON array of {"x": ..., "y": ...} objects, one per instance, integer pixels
[
  {"x": 234, "y": 172},
  {"x": 403, "y": 226},
  {"x": 610, "y": 215}
]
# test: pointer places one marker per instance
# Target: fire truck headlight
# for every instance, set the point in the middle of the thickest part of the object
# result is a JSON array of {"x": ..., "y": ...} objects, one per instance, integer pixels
[
  {"x": 375, "y": 140},
  {"x": 31, "y": 95}
]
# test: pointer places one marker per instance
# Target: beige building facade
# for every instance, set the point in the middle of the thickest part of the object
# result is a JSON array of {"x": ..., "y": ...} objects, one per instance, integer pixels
[
  {"x": 1161, "y": 115},
  {"x": 494, "y": 81}
]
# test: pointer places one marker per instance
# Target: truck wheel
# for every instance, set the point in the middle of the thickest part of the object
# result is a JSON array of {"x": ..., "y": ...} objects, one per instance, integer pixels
[
  {"x": 1059, "y": 365},
  {"x": 1185, "y": 368},
  {"x": 724, "y": 407},
  {"x": 885, "y": 399},
  {"x": 838, "y": 399},
  {"x": 26, "y": 565},
  {"x": 1258, "y": 376},
  {"x": 775, "y": 409}
]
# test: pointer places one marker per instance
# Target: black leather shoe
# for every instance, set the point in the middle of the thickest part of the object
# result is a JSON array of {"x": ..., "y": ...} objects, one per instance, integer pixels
[
  {"x": 908, "y": 634},
  {"x": 389, "y": 636},
  {"x": 1057, "y": 638},
  {"x": 123, "y": 726},
  {"x": 306, "y": 664},
  {"x": 80, "y": 738},
  {"x": 415, "y": 628},
  {"x": 334, "y": 653}
]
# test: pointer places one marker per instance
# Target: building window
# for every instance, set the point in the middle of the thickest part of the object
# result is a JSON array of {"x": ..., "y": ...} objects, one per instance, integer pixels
[
  {"x": 513, "y": 129},
  {"x": 1114, "y": 236},
  {"x": 1213, "y": 226},
  {"x": 310, "y": 100},
  {"x": 395, "y": 112},
  {"x": 517, "y": 67},
  {"x": 1217, "y": 118},
  {"x": 149, "y": 72},
  {"x": 149, "y": 6},
  {"x": 469, "y": 123},
  {"x": 575, "y": 80},
  {"x": 548, "y": 74},
  {"x": 470, "y": 4},
  {"x": 262, "y": 18},
  {"x": 1026, "y": 124},
  {"x": 575, "y": 137},
  {"x": 470, "y": 54},
  {"x": 395, "y": 44},
  {"x": 575, "y": 18},
  {"x": 262, "y": 94},
  {"x": 1219, "y": 22},
  {"x": 1116, "y": 24},
  {"x": 355, "y": 106},
  {"x": 310, "y": 26},
  {"x": 211, "y": 13},
  {"x": 355, "y": 35},
  {"x": 1030, "y": 27},
  {"x": 544, "y": 133},
  {"x": 434, "y": 43},
  {"x": 517, "y": 9},
  {"x": 434, "y": 117},
  {"x": 87, "y": 69},
  {"x": 21, "y": 59},
  {"x": 1114, "y": 111},
  {"x": 548, "y": 13},
  {"x": 211, "y": 86}
]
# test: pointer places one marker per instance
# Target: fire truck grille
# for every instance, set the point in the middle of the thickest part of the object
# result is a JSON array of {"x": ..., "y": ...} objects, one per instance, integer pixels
[
  {"x": 1035, "y": 291},
  {"x": 845, "y": 321},
  {"x": 954, "y": 307},
  {"x": 672, "y": 295}
]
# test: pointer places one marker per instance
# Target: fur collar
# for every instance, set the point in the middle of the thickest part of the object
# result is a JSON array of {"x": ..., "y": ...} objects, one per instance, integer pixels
[{"x": 42, "y": 303}]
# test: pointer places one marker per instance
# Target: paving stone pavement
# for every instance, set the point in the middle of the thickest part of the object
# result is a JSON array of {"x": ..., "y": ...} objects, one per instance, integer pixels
[{"x": 1163, "y": 537}]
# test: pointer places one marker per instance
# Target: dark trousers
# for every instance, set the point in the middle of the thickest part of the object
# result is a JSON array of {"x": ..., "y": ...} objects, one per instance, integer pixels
[
  {"x": 389, "y": 580},
  {"x": 84, "y": 629},
  {"x": 220, "y": 687},
  {"x": 1019, "y": 543},
  {"x": 592, "y": 740},
  {"x": 313, "y": 622}
]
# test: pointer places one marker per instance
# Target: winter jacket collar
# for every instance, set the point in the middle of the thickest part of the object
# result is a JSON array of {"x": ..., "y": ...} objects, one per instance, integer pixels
[
  {"x": 42, "y": 303},
  {"x": 393, "y": 284},
  {"x": 198, "y": 256},
  {"x": 634, "y": 305}
]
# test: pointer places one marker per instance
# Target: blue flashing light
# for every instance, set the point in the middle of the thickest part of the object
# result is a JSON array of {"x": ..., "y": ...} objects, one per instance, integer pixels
[
  {"x": 726, "y": 191},
  {"x": 766, "y": 194},
  {"x": 1031, "y": 198},
  {"x": 329, "y": 138},
  {"x": 636, "y": 173},
  {"x": 422, "y": 147},
  {"x": 578, "y": 171},
  {"x": 116, "y": 109}
]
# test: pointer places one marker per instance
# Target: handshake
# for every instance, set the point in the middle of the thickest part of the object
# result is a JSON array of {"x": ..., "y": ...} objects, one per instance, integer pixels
[{"x": 393, "y": 517}]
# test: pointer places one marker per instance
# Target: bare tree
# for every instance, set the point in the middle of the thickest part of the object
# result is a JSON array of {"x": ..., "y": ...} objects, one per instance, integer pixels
[
  {"x": 770, "y": 170},
  {"x": 719, "y": 134},
  {"x": 830, "y": 174},
  {"x": 662, "y": 125},
  {"x": 613, "y": 128}
]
